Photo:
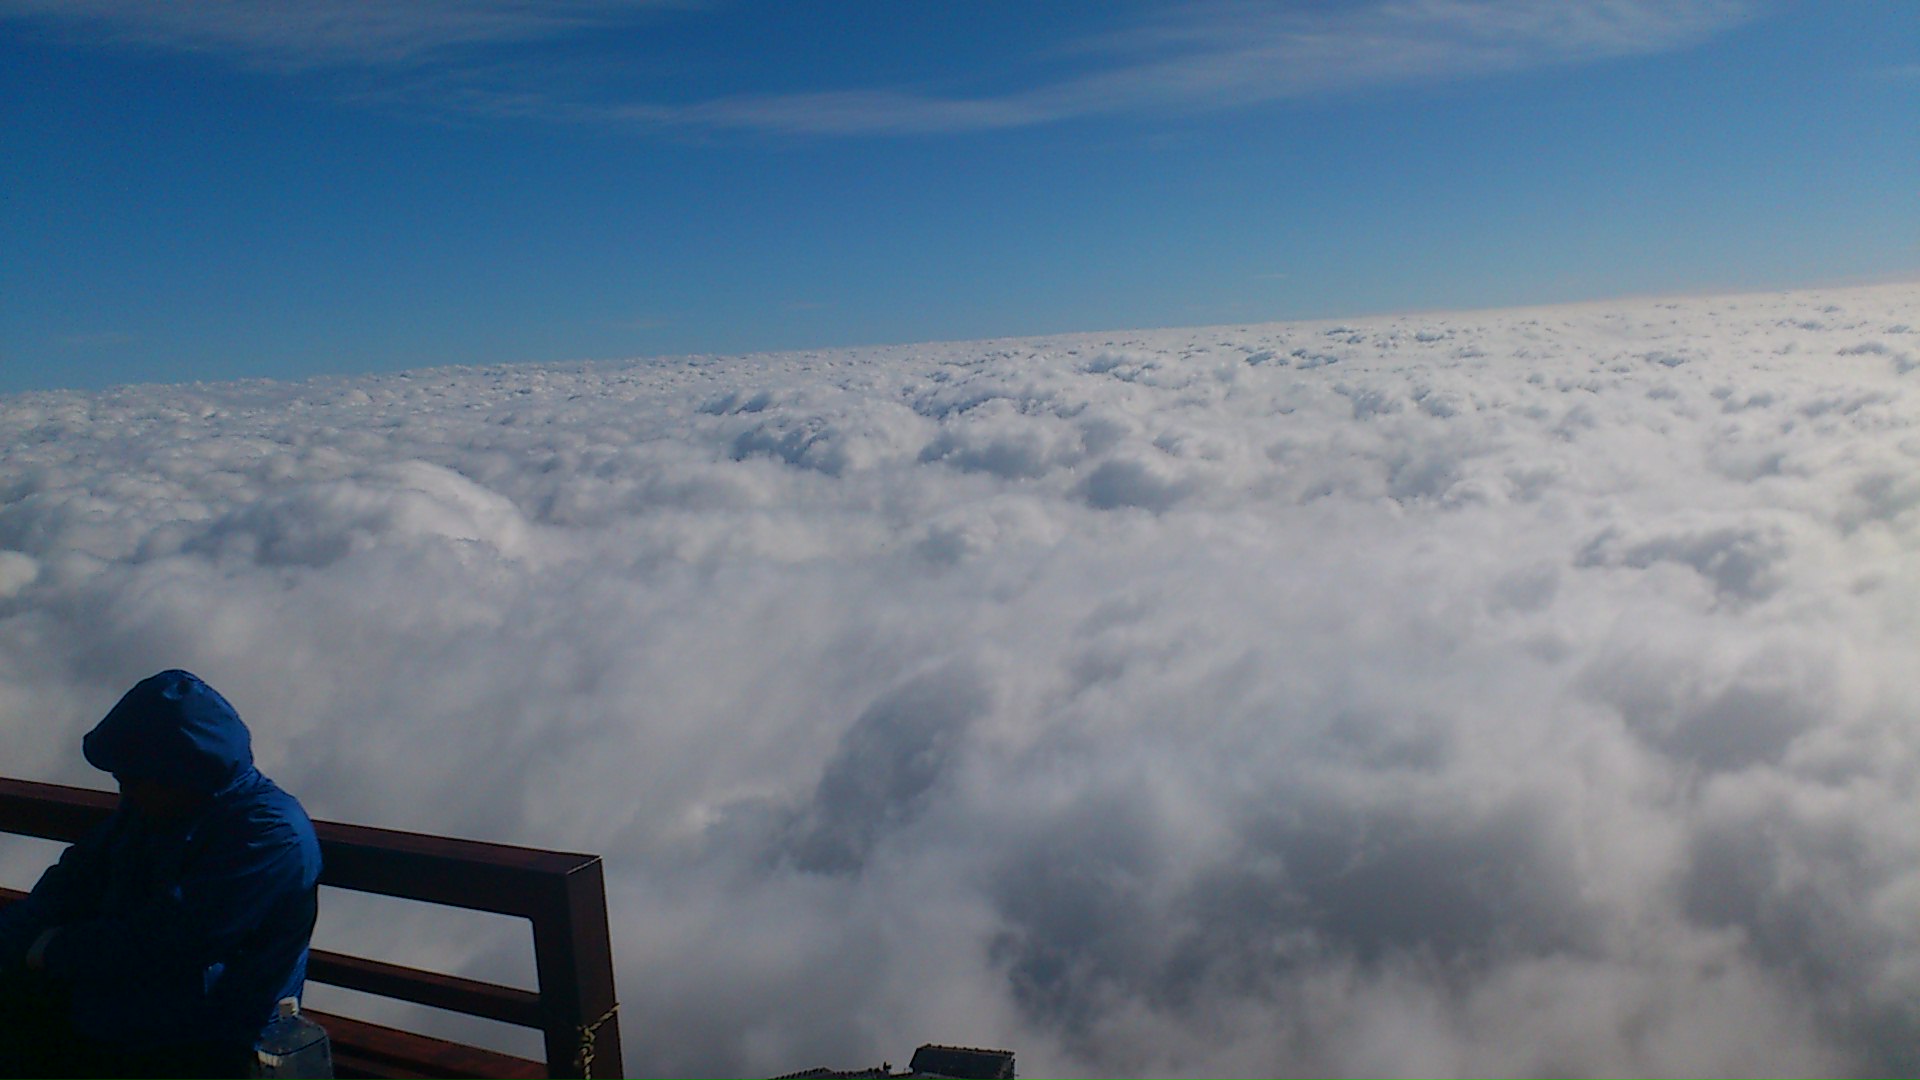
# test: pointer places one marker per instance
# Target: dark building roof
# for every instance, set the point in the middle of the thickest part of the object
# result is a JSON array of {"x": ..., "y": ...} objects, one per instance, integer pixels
[
  {"x": 962, "y": 1063},
  {"x": 944, "y": 1062}
]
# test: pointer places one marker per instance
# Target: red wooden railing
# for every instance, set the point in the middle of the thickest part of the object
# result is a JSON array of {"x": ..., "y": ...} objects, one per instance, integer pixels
[{"x": 563, "y": 894}]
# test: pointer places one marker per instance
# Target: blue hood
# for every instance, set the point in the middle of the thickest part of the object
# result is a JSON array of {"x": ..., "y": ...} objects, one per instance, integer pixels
[{"x": 175, "y": 729}]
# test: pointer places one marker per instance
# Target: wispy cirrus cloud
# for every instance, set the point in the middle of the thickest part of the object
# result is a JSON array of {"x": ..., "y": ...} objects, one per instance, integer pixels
[
  {"x": 472, "y": 56},
  {"x": 1215, "y": 56},
  {"x": 315, "y": 34}
]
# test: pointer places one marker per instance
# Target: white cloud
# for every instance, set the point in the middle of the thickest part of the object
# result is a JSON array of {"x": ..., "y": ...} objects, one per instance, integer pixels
[
  {"x": 327, "y": 33},
  {"x": 1205, "y": 57},
  {"x": 1438, "y": 694},
  {"x": 1185, "y": 57}
]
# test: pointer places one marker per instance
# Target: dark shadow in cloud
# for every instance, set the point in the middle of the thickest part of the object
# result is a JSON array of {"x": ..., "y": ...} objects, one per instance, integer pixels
[
  {"x": 1718, "y": 724},
  {"x": 1459, "y": 888},
  {"x": 1742, "y": 726},
  {"x": 1143, "y": 482},
  {"x": 1101, "y": 909},
  {"x": 997, "y": 438},
  {"x": 880, "y": 775},
  {"x": 805, "y": 442},
  {"x": 1740, "y": 562},
  {"x": 316, "y": 525},
  {"x": 1083, "y": 931},
  {"x": 1801, "y": 895},
  {"x": 1880, "y": 497}
]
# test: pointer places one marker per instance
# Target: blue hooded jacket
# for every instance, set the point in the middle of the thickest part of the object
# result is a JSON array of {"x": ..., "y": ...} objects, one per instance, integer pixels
[{"x": 184, "y": 930}]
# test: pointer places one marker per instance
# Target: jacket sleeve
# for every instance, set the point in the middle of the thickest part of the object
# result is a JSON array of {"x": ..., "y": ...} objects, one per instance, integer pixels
[
  {"x": 226, "y": 893},
  {"x": 70, "y": 889}
]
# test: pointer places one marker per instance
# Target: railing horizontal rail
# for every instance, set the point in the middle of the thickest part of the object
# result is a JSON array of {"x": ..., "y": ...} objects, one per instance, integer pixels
[
  {"x": 364, "y": 1049},
  {"x": 451, "y": 992},
  {"x": 52, "y": 811}
]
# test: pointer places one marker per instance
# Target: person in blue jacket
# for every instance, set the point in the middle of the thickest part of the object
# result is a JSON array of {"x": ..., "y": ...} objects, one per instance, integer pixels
[{"x": 161, "y": 942}]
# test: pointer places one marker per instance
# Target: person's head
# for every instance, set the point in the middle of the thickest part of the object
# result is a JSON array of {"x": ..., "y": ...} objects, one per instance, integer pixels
[
  {"x": 160, "y": 800},
  {"x": 172, "y": 742}
]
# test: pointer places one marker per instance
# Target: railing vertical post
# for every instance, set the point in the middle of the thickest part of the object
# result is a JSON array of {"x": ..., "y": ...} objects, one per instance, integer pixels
[{"x": 574, "y": 959}]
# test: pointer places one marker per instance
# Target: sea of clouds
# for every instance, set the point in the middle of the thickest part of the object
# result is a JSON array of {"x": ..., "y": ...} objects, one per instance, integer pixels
[{"x": 1523, "y": 692}]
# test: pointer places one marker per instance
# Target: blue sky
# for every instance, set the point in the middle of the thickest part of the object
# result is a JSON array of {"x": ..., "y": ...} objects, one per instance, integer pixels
[{"x": 215, "y": 190}]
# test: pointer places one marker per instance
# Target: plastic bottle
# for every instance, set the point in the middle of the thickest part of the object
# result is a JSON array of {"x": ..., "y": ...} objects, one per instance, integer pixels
[{"x": 293, "y": 1045}]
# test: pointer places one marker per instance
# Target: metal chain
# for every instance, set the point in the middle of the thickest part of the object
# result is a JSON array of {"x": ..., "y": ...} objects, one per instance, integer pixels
[{"x": 583, "y": 1051}]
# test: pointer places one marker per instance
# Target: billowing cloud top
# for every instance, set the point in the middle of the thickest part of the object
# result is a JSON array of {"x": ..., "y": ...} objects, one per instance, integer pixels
[{"x": 1523, "y": 692}]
